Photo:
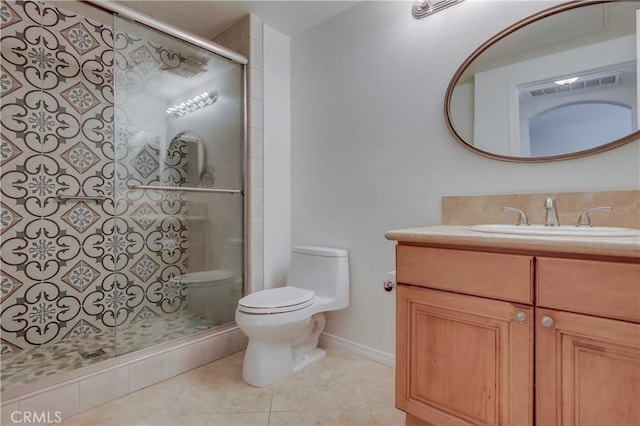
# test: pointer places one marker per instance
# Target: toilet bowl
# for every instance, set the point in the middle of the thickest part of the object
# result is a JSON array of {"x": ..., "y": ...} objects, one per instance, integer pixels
[{"x": 283, "y": 324}]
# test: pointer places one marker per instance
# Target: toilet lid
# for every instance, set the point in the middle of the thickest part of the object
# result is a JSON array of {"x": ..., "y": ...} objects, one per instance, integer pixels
[{"x": 276, "y": 300}]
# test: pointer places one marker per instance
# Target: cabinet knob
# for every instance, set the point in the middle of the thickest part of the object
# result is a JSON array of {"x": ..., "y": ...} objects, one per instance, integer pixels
[
  {"x": 521, "y": 316},
  {"x": 546, "y": 321}
]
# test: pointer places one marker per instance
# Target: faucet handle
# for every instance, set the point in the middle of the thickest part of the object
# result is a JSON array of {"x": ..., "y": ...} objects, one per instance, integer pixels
[
  {"x": 550, "y": 203},
  {"x": 584, "y": 219},
  {"x": 522, "y": 216}
]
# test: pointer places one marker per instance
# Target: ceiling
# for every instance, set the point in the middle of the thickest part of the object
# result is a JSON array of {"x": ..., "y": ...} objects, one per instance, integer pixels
[{"x": 208, "y": 18}]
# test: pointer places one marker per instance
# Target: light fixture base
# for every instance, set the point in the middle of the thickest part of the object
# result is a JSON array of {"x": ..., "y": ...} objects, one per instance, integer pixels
[{"x": 429, "y": 7}]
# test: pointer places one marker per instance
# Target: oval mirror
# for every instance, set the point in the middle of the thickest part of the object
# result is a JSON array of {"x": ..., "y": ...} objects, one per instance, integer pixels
[
  {"x": 189, "y": 144},
  {"x": 559, "y": 84}
]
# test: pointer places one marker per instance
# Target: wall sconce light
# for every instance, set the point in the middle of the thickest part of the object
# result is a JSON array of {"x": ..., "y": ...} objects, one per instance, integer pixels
[
  {"x": 428, "y": 7},
  {"x": 193, "y": 104}
]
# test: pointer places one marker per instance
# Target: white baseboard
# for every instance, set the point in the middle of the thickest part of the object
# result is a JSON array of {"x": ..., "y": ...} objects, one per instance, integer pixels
[{"x": 330, "y": 341}]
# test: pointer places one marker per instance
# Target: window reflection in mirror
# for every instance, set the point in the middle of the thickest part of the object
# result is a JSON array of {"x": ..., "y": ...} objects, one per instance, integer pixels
[
  {"x": 577, "y": 127},
  {"x": 578, "y": 112}
]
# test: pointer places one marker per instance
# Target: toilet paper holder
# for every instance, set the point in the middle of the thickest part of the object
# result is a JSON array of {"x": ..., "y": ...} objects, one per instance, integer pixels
[{"x": 389, "y": 281}]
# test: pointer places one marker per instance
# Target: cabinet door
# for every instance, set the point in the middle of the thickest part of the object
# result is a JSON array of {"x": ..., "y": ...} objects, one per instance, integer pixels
[
  {"x": 587, "y": 370},
  {"x": 463, "y": 359}
]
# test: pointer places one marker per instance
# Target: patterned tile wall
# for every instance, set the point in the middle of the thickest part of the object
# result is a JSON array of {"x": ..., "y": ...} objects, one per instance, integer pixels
[{"x": 70, "y": 269}]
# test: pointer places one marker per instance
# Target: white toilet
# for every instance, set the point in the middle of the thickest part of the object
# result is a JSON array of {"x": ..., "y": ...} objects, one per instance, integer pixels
[{"x": 283, "y": 324}]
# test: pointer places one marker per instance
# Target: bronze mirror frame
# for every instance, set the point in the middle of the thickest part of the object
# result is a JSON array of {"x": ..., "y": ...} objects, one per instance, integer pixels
[{"x": 635, "y": 136}]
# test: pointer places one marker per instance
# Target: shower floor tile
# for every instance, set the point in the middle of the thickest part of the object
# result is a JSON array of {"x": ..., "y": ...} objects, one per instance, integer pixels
[
  {"x": 340, "y": 389},
  {"x": 35, "y": 363}
]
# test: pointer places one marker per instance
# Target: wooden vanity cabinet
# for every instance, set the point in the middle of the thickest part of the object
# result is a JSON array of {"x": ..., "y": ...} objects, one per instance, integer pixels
[
  {"x": 588, "y": 343},
  {"x": 587, "y": 370},
  {"x": 465, "y": 347},
  {"x": 463, "y": 360}
]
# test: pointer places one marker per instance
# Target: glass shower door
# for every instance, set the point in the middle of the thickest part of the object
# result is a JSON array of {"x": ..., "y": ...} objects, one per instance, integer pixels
[{"x": 179, "y": 132}]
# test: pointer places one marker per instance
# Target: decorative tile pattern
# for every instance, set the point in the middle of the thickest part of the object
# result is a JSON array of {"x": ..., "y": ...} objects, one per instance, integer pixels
[
  {"x": 144, "y": 163},
  {"x": 8, "y": 218},
  {"x": 81, "y": 276},
  {"x": 81, "y": 330},
  {"x": 8, "y": 151},
  {"x": 80, "y": 157},
  {"x": 8, "y": 347},
  {"x": 143, "y": 58},
  {"x": 144, "y": 268},
  {"x": 39, "y": 314},
  {"x": 8, "y": 16},
  {"x": 75, "y": 270},
  {"x": 79, "y": 38},
  {"x": 8, "y": 285},
  {"x": 144, "y": 216},
  {"x": 8, "y": 83},
  {"x": 80, "y": 98},
  {"x": 81, "y": 217}
]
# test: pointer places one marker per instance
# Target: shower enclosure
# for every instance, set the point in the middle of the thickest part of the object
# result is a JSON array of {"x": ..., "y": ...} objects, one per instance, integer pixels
[{"x": 122, "y": 189}]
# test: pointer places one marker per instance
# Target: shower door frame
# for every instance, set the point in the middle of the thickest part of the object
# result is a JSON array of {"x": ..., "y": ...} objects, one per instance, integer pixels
[{"x": 170, "y": 30}]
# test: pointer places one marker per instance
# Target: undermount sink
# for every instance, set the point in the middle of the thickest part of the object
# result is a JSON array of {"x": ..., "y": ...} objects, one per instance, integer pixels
[{"x": 562, "y": 230}]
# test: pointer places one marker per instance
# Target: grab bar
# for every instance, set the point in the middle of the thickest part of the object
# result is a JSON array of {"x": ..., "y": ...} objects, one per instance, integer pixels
[
  {"x": 186, "y": 189},
  {"x": 61, "y": 198}
]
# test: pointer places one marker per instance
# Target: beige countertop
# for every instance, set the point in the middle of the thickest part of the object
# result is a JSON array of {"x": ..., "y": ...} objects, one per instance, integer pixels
[{"x": 453, "y": 235}]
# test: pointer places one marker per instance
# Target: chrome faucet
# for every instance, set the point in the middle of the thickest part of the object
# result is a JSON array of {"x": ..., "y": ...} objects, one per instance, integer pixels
[{"x": 552, "y": 212}]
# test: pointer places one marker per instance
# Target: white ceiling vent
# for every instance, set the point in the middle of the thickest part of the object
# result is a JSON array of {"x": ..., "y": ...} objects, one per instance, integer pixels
[{"x": 585, "y": 82}]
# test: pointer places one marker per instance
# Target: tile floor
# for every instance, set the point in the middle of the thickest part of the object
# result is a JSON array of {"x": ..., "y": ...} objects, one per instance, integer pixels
[
  {"x": 341, "y": 389},
  {"x": 35, "y": 363}
]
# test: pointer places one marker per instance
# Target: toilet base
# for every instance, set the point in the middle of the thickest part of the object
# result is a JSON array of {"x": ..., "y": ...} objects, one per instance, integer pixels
[
  {"x": 257, "y": 370},
  {"x": 266, "y": 362},
  {"x": 307, "y": 359}
]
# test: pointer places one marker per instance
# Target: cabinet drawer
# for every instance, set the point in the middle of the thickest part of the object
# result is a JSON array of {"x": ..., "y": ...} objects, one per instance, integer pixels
[
  {"x": 606, "y": 289},
  {"x": 499, "y": 276}
]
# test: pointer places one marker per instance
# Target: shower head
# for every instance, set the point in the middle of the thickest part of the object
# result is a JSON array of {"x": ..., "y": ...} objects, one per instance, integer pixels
[{"x": 189, "y": 67}]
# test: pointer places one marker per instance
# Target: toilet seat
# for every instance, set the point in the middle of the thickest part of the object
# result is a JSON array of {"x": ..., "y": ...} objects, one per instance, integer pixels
[
  {"x": 276, "y": 300},
  {"x": 204, "y": 278}
]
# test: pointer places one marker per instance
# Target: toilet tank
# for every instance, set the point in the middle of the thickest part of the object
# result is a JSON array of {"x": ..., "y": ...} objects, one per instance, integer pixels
[{"x": 323, "y": 270}]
